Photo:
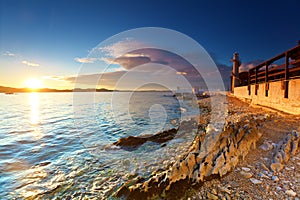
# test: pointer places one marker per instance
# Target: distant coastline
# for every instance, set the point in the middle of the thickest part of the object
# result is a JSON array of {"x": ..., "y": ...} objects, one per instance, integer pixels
[{"x": 9, "y": 90}]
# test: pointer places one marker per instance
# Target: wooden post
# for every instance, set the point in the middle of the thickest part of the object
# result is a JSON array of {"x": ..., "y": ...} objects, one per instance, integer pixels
[
  {"x": 266, "y": 80},
  {"x": 286, "y": 76},
  {"x": 266, "y": 73},
  {"x": 256, "y": 74},
  {"x": 249, "y": 82}
]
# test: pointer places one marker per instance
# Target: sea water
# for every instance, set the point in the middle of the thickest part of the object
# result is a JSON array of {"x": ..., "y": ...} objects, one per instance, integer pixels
[{"x": 60, "y": 144}]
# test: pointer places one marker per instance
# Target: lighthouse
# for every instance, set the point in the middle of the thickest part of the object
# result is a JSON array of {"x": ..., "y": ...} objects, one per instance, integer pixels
[{"x": 235, "y": 71}]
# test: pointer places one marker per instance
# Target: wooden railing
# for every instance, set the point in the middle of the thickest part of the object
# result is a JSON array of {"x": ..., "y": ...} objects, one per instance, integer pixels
[{"x": 267, "y": 71}]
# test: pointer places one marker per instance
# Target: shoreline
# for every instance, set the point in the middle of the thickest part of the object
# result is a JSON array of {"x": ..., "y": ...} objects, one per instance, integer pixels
[{"x": 237, "y": 111}]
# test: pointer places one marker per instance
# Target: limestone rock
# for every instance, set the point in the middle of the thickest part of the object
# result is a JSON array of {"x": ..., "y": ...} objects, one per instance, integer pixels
[
  {"x": 290, "y": 193},
  {"x": 227, "y": 196},
  {"x": 276, "y": 167},
  {"x": 264, "y": 167},
  {"x": 262, "y": 175},
  {"x": 212, "y": 196},
  {"x": 267, "y": 146},
  {"x": 275, "y": 178},
  {"x": 224, "y": 189},
  {"x": 246, "y": 174},
  {"x": 284, "y": 150},
  {"x": 246, "y": 169},
  {"x": 255, "y": 181}
]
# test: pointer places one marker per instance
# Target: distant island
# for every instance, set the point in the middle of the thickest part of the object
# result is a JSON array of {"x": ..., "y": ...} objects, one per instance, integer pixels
[{"x": 11, "y": 90}]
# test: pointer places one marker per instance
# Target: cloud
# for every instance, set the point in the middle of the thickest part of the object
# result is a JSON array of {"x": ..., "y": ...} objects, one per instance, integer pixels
[
  {"x": 86, "y": 60},
  {"x": 121, "y": 48},
  {"x": 151, "y": 55},
  {"x": 56, "y": 78},
  {"x": 31, "y": 64},
  {"x": 129, "y": 54},
  {"x": 8, "y": 53},
  {"x": 128, "y": 62},
  {"x": 249, "y": 65},
  {"x": 135, "y": 76},
  {"x": 181, "y": 73},
  {"x": 107, "y": 80}
]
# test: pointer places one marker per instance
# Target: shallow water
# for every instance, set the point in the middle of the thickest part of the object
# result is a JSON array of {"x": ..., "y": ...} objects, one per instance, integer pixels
[{"x": 59, "y": 144}]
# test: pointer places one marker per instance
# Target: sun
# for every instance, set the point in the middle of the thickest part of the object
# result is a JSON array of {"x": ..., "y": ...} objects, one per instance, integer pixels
[{"x": 33, "y": 83}]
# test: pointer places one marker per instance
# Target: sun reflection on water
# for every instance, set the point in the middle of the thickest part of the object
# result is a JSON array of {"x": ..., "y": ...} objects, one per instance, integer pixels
[
  {"x": 34, "y": 115},
  {"x": 34, "y": 104}
]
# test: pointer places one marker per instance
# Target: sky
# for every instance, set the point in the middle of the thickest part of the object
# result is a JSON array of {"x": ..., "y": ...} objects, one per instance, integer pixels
[{"x": 52, "y": 40}]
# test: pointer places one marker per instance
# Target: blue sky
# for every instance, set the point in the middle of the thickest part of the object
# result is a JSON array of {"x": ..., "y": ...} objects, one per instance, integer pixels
[{"x": 52, "y": 34}]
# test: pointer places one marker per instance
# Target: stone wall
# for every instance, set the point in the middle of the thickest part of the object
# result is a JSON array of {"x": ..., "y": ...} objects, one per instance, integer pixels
[{"x": 275, "y": 98}]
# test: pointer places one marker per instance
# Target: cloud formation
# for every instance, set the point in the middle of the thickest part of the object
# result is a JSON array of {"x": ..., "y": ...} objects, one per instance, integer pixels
[
  {"x": 130, "y": 55},
  {"x": 128, "y": 62},
  {"x": 85, "y": 60},
  {"x": 31, "y": 64},
  {"x": 156, "y": 56},
  {"x": 8, "y": 53},
  {"x": 56, "y": 78},
  {"x": 249, "y": 65},
  {"x": 120, "y": 48}
]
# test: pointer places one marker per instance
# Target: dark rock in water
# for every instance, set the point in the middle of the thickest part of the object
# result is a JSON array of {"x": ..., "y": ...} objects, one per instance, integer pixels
[
  {"x": 130, "y": 141},
  {"x": 42, "y": 164},
  {"x": 163, "y": 136},
  {"x": 134, "y": 142},
  {"x": 163, "y": 145}
]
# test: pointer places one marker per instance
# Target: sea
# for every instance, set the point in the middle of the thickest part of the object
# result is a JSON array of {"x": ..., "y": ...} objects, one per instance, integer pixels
[{"x": 60, "y": 145}]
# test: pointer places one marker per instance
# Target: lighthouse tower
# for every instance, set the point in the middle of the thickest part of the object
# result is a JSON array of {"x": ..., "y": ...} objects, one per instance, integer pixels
[{"x": 235, "y": 71}]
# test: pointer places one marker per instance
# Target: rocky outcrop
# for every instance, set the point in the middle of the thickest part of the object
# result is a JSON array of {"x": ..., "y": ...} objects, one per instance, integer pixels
[
  {"x": 284, "y": 150},
  {"x": 132, "y": 142},
  {"x": 212, "y": 154}
]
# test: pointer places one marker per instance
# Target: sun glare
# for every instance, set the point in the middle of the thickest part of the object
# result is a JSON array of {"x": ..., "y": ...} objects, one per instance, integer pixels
[{"x": 33, "y": 83}]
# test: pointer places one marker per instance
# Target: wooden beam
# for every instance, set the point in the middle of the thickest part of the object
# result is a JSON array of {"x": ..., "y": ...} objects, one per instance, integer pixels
[
  {"x": 296, "y": 48},
  {"x": 266, "y": 72},
  {"x": 270, "y": 60},
  {"x": 286, "y": 76}
]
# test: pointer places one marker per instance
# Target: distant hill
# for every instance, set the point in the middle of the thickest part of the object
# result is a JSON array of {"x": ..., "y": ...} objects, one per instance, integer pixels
[
  {"x": 4, "y": 89},
  {"x": 224, "y": 70}
]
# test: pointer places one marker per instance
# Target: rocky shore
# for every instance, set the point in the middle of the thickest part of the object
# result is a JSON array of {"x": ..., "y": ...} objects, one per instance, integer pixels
[{"x": 248, "y": 159}]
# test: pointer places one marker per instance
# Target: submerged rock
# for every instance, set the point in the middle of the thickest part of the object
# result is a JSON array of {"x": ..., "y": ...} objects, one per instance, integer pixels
[{"x": 133, "y": 142}]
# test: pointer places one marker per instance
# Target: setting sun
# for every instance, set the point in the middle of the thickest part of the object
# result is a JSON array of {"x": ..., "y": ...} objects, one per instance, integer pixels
[{"x": 33, "y": 83}]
